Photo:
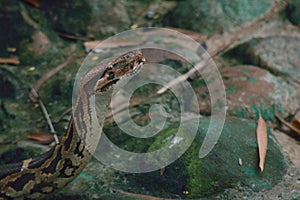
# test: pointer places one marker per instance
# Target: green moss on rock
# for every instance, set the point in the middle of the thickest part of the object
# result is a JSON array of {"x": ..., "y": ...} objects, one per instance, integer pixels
[
  {"x": 210, "y": 16},
  {"x": 220, "y": 169}
]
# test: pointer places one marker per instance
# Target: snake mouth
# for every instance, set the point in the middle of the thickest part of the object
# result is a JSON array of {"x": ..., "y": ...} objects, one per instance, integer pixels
[
  {"x": 108, "y": 85},
  {"x": 137, "y": 68}
]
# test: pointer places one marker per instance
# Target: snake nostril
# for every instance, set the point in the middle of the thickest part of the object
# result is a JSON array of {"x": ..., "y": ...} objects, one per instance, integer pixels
[{"x": 131, "y": 66}]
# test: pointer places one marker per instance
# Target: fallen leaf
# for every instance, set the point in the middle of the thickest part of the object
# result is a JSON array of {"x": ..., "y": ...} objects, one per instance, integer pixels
[
  {"x": 262, "y": 140},
  {"x": 134, "y": 26},
  {"x": 42, "y": 138},
  {"x": 296, "y": 121},
  {"x": 294, "y": 128},
  {"x": 297, "y": 116},
  {"x": 140, "y": 196},
  {"x": 11, "y": 61},
  {"x": 35, "y": 3},
  {"x": 162, "y": 171}
]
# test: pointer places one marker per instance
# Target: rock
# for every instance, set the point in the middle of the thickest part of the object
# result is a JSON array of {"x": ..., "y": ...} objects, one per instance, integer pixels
[
  {"x": 107, "y": 17},
  {"x": 220, "y": 169},
  {"x": 14, "y": 28},
  {"x": 191, "y": 177},
  {"x": 251, "y": 90},
  {"x": 215, "y": 16},
  {"x": 279, "y": 54},
  {"x": 40, "y": 43},
  {"x": 68, "y": 16}
]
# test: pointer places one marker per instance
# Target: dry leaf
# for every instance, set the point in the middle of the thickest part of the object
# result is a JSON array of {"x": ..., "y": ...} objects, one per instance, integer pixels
[
  {"x": 294, "y": 128},
  {"x": 140, "y": 196},
  {"x": 162, "y": 171},
  {"x": 262, "y": 140},
  {"x": 42, "y": 138},
  {"x": 35, "y": 3},
  {"x": 11, "y": 61},
  {"x": 296, "y": 121}
]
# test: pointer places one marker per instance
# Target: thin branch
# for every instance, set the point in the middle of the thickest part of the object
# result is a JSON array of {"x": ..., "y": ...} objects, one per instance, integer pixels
[
  {"x": 73, "y": 37},
  {"x": 147, "y": 197},
  {"x": 36, "y": 96},
  {"x": 218, "y": 44},
  {"x": 48, "y": 75},
  {"x": 63, "y": 115},
  {"x": 26, "y": 17}
]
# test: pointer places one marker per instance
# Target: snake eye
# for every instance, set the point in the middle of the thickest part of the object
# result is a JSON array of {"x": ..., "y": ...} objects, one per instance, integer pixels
[{"x": 111, "y": 75}]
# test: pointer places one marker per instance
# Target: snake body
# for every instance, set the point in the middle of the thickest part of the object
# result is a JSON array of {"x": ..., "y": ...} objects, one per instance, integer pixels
[{"x": 49, "y": 172}]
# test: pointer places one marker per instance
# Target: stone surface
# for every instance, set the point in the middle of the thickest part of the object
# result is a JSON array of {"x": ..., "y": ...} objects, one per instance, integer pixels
[
  {"x": 251, "y": 90},
  {"x": 209, "y": 177},
  {"x": 279, "y": 54},
  {"x": 67, "y": 16},
  {"x": 272, "y": 77},
  {"x": 219, "y": 170},
  {"x": 13, "y": 27},
  {"x": 108, "y": 17},
  {"x": 215, "y": 16}
]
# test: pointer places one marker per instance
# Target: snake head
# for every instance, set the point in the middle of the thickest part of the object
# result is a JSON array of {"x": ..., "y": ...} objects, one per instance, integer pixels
[{"x": 125, "y": 65}]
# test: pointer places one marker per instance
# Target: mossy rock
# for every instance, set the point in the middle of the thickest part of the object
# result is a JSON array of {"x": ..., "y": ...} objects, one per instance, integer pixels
[
  {"x": 68, "y": 16},
  {"x": 211, "y": 16},
  {"x": 251, "y": 90},
  {"x": 14, "y": 28},
  {"x": 219, "y": 170}
]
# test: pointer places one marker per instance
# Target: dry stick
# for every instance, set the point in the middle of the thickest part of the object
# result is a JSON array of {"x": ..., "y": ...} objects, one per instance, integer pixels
[
  {"x": 48, "y": 75},
  {"x": 147, "y": 197},
  {"x": 220, "y": 43},
  {"x": 36, "y": 96},
  {"x": 285, "y": 123},
  {"x": 62, "y": 115},
  {"x": 26, "y": 17},
  {"x": 33, "y": 95},
  {"x": 73, "y": 37}
]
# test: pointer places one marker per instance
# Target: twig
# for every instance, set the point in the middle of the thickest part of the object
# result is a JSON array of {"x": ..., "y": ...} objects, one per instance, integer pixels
[
  {"x": 62, "y": 115},
  {"x": 285, "y": 123},
  {"x": 48, "y": 75},
  {"x": 10, "y": 61},
  {"x": 27, "y": 18},
  {"x": 147, "y": 197},
  {"x": 220, "y": 43},
  {"x": 73, "y": 37},
  {"x": 185, "y": 76},
  {"x": 34, "y": 3},
  {"x": 36, "y": 96}
]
